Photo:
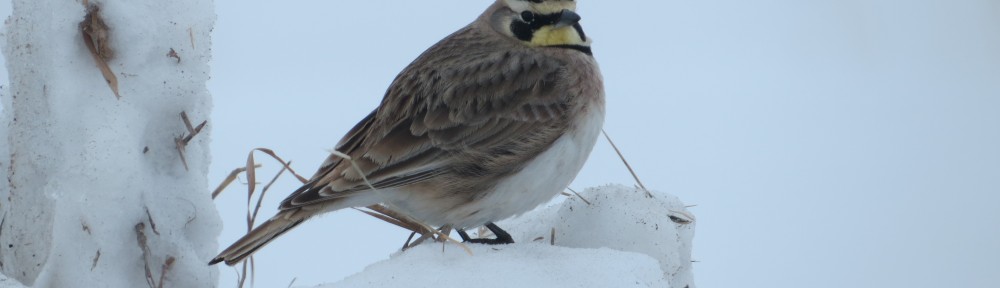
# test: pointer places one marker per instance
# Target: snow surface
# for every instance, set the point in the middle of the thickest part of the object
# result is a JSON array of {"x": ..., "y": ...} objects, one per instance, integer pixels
[
  {"x": 621, "y": 239},
  {"x": 84, "y": 169},
  {"x": 519, "y": 265},
  {"x": 9, "y": 283},
  {"x": 621, "y": 218}
]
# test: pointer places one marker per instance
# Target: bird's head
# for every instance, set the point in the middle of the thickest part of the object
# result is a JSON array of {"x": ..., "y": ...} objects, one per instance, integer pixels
[{"x": 540, "y": 22}]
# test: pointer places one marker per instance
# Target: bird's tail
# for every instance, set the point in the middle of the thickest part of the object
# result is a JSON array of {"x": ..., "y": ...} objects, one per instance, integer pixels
[{"x": 260, "y": 236}]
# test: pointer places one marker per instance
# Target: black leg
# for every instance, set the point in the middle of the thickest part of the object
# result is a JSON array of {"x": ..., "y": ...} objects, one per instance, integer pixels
[
  {"x": 465, "y": 236},
  {"x": 502, "y": 236}
]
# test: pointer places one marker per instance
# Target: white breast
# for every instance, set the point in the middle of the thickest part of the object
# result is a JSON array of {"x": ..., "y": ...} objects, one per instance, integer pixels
[{"x": 543, "y": 177}]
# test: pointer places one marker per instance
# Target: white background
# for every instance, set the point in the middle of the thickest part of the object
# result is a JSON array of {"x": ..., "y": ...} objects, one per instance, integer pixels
[{"x": 826, "y": 143}]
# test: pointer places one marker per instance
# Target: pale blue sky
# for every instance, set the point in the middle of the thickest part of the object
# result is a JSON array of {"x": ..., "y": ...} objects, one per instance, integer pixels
[{"x": 826, "y": 143}]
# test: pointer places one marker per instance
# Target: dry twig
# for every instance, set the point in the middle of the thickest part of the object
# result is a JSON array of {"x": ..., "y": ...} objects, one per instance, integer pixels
[
  {"x": 191, "y": 35},
  {"x": 152, "y": 225},
  {"x": 140, "y": 234},
  {"x": 164, "y": 269},
  {"x": 96, "y": 258},
  {"x": 96, "y": 36},
  {"x": 173, "y": 54},
  {"x": 580, "y": 196},
  {"x": 141, "y": 237},
  {"x": 229, "y": 180},
  {"x": 637, "y": 181},
  {"x": 182, "y": 141},
  {"x": 250, "y": 169}
]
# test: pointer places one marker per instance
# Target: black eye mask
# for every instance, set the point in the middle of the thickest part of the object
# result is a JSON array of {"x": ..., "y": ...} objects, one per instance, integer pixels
[{"x": 530, "y": 22}]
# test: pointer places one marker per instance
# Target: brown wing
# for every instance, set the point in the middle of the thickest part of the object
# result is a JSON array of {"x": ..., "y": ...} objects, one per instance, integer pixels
[{"x": 465, "y": 107}]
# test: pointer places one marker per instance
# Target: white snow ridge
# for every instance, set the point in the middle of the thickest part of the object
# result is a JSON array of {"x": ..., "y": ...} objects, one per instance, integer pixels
[
  {"x": 94, "y": 191},
  {"x": 621, "y": 239}
]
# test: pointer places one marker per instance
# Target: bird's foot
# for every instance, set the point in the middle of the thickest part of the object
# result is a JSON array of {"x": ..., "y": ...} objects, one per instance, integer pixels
[{"x": 502, "y": 237}]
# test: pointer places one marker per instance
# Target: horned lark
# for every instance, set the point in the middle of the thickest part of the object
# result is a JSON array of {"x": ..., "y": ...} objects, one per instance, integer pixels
[{"x": 490, "y": 122}]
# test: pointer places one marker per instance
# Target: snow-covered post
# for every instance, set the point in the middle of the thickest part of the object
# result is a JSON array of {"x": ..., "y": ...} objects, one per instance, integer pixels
[{"x": 102, "y": 191}]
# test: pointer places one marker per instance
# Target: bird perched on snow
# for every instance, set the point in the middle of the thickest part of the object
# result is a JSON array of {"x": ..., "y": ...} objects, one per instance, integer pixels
[{"x": 490, "y": 122}]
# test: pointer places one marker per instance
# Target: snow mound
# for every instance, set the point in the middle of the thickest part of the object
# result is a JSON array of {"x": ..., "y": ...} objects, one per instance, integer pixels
[
  {"x": 622, "y": 238},
  {"x": 521, "y": 265},
  {"x": 621, "y": 218}
]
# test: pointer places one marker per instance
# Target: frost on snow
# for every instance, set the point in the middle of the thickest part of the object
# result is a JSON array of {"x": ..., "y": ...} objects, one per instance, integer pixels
[
  {"x": 620, "y": 239},
  {"x": 95, "y": 193}
]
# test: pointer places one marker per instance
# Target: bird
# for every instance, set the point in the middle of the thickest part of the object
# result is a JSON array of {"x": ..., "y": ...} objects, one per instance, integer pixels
[{"x": 490, "y": 122}]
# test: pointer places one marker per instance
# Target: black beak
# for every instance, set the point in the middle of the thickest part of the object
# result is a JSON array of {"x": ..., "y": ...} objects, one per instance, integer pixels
[{"x": 567, "y": 18}]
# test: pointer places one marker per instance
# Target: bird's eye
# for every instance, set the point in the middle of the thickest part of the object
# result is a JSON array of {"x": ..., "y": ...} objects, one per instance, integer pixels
[{"x": 527, "y": 16}]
